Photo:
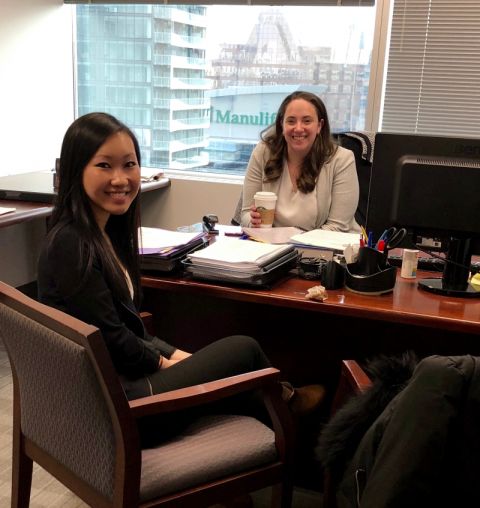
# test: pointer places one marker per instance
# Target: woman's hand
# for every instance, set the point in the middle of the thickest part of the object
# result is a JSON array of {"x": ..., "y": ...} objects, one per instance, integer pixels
[
  {"x": 177, "y": 356},
  {"x": 255, "y": 218}
]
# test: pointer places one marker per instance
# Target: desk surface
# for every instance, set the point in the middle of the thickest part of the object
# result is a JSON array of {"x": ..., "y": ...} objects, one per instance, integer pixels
[
  {"x": 406, "y": 304},
  {"x": 26, "y": 211}
]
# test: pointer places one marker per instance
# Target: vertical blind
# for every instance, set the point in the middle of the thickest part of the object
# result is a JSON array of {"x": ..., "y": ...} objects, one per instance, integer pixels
[{"x": 433, "y": 74}]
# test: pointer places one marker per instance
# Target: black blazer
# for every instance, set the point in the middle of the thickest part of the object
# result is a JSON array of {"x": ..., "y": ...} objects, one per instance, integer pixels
[{"x": 134, "y": 352}]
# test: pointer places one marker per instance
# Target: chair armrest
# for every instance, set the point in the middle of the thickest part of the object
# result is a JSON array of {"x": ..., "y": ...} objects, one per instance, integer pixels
[
  {"x": 147, "y": 319},
  {"x": 353, "y": 380},
  {"x": 204, "y": 393},
  {"x": 356, "y": 376}
]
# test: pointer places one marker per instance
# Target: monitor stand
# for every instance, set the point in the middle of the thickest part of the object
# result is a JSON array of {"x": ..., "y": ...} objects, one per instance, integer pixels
[{"x": 454, "y": 281}]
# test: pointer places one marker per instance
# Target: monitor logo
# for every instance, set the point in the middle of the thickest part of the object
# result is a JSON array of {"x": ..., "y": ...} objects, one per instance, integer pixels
[{"x": 467, "y": 150}]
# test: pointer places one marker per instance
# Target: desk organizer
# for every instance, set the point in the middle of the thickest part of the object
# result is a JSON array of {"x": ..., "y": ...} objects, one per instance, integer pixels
[{"x": 370, "y": 274}]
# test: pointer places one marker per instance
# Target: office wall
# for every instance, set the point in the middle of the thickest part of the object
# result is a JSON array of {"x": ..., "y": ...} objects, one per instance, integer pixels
[
  {"x": 36, "y": 92},
  {"x": 187, "y": 201}
]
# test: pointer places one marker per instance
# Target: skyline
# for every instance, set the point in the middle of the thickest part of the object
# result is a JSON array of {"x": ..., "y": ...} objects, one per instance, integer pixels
[{"x": 346, "y": 43}]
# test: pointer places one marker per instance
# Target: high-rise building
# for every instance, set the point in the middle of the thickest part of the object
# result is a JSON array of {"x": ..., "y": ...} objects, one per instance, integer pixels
[{"x": 146, "y": 65}]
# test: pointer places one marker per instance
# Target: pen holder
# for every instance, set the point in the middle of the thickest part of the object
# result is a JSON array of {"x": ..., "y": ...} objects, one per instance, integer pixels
[{"x": 371, "y": 273}]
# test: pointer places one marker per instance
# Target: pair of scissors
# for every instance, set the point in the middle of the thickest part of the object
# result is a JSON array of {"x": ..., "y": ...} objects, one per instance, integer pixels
[{"x": 393, "y": 237}]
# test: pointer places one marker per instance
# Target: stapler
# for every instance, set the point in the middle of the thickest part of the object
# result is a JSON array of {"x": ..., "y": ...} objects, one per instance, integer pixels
[{"x": 209, "y": 222}]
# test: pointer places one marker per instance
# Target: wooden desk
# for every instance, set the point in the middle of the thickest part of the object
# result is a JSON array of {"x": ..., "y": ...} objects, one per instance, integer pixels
[
  {"x": 27, "y": 211},
  {"x": 305, "y": 338}
]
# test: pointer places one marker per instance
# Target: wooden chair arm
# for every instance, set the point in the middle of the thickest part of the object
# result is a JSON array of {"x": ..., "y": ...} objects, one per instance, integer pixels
[
  {"x": 147, "y": 319},
  {"x": 356, "y": 376},
  {"x": 353, "y": 380},
  {"x": 204, "y": 393}
]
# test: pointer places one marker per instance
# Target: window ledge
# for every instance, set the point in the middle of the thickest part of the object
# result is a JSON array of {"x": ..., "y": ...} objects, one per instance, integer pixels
[{"x": 204, "y": 177}]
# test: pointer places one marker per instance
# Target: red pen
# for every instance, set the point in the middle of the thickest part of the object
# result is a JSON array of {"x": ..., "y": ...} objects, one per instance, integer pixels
[
  {"x": 362, "y": 241},
  {"x": 381, "y": 245}
]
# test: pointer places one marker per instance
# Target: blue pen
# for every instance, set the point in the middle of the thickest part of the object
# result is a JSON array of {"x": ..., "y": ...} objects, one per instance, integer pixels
[{"x": 370, "y": 238}]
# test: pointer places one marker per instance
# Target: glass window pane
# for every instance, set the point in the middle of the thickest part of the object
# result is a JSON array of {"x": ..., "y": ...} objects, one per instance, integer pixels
[{"x": 199, "y": 83}]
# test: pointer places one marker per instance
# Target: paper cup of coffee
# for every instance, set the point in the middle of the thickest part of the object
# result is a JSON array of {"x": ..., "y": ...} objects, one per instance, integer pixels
[{"x": 265, "y": 203}]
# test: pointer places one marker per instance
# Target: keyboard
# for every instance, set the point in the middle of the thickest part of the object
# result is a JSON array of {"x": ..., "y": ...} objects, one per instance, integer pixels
[{"x": 430, "y": 264}]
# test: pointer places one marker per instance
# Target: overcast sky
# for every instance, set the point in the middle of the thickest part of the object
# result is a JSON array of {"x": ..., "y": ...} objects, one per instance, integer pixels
[{"x": 336, "y": 27}]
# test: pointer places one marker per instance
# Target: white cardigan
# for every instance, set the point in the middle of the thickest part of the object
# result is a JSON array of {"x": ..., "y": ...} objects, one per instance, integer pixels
[{"x": 336, "y": 190}]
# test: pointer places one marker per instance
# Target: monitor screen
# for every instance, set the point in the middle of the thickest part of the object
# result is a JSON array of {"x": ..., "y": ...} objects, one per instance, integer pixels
[{"x": 431, "y": 186}]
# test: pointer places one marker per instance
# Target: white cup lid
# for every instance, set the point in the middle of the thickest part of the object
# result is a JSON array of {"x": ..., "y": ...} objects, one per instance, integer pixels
[{"x": 265, "y": 195}]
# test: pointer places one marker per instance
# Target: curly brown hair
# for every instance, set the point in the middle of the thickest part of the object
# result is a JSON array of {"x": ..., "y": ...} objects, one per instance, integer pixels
[{"x": 322, "y": 150}]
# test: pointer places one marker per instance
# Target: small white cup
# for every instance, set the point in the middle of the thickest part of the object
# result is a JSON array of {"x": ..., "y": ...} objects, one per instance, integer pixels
[
  {"x": 265, "y": 203},
  {"x": 409, "y": 264}
]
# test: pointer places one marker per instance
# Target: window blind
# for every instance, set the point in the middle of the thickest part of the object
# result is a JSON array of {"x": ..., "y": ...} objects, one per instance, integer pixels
[
  {"x": 433, "y": 69},
  {"x": 332, "y": 3}
]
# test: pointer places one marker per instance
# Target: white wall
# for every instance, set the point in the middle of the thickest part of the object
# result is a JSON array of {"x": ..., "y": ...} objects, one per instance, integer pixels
[
  {"x": 187, "y": 201},
  {"x": 36, "y": 76}
]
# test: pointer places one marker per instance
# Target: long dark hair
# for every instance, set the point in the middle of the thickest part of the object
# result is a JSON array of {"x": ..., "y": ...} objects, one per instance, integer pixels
[
  {"x": 72, "y": 205},
  {"x": 322, "y": 149}
]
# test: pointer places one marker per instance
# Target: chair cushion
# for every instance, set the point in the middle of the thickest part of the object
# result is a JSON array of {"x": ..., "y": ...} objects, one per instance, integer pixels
[{"x": 212, "y": 447}]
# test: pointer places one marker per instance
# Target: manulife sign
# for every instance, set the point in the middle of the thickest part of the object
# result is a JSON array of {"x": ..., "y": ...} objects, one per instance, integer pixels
[{"x": 262, "y": 118}]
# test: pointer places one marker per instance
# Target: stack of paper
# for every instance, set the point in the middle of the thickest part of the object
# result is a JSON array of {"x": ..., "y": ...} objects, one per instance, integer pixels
[
  {"x": 163, "y": 241},
  {"x": 324, "y": 239},
  {"x": 272, "y": 235},
  {"x": 238, "y": 255}
]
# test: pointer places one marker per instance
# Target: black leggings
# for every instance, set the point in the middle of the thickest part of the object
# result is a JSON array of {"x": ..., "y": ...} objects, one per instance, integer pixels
[{"x": 226, "y": 357}]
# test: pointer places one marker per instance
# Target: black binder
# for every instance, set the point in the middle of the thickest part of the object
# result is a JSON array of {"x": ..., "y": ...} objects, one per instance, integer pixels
[{"x": 170, "y": 262}]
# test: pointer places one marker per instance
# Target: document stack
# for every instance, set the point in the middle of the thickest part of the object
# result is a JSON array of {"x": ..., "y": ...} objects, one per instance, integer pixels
[
  {"x": 333, "y": 241},
  {"x": 162, "y": 250},
  {"x": 240, "y": 261}
]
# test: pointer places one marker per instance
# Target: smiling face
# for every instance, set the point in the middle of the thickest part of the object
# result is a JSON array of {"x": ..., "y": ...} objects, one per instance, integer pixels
[
  {"x": 300, "y": 126},
  {"x": 111, "y": 179}
]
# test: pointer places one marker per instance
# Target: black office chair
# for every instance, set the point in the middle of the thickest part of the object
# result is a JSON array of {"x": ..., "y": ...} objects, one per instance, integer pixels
[
  {"x": 237, "y": 215},
  {"x": 362, "y": 145}
]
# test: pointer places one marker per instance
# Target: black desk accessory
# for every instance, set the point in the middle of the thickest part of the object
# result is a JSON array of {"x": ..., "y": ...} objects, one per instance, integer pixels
[
  {"x": 209, "y": 221},
  {"x": 371, "y": 273},
  {"x": 333, "y": 275},
  {"x": 311, "y": 268}
]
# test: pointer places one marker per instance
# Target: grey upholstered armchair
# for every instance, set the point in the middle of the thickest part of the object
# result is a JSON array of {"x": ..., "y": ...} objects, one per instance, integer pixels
[{"x": 71, "y": 416}]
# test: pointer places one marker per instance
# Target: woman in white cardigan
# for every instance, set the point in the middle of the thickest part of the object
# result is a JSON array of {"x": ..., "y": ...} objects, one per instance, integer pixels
[{"x": 314, "y": 179}]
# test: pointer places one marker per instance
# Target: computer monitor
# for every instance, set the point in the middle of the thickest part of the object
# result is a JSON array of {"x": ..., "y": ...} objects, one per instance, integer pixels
[{"x": 431, "y": 186}]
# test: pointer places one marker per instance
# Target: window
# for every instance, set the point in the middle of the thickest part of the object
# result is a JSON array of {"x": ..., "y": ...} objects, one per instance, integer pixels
[
  {"x": 433, "y": 68},
  {"x": 199, "y": 83}
]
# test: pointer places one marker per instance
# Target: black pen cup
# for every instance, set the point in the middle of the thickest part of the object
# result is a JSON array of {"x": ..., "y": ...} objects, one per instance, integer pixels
[
  {"x": 371, "y": 273},
  {"x": 370, "y": 261}
]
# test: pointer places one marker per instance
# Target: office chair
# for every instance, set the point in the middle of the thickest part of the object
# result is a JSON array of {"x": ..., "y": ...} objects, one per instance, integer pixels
[
  {"x": 237, "y": 214},
  {"x": 71, "y": 416},
  {"x": 362, "y": 146}
]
